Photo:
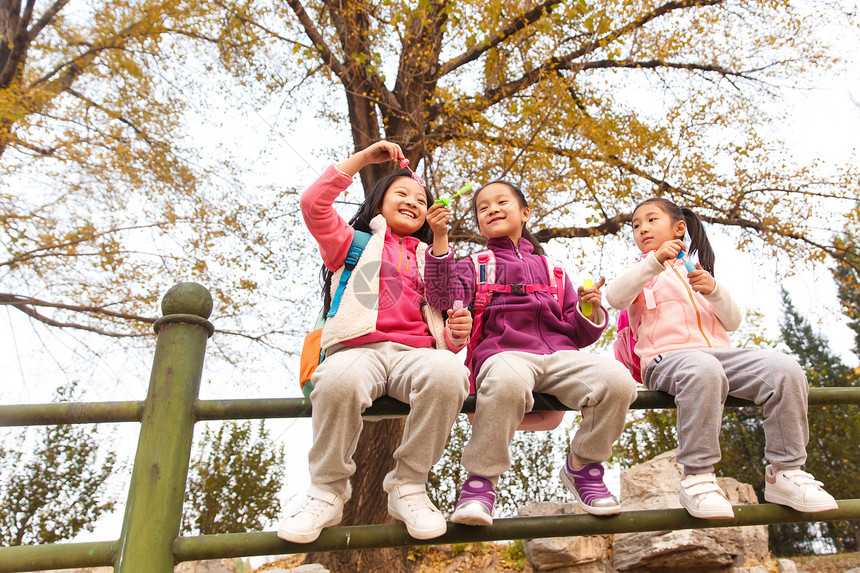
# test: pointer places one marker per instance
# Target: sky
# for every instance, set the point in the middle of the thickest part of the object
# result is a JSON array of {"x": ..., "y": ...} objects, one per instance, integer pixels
[{"x": 825, "y": 123}]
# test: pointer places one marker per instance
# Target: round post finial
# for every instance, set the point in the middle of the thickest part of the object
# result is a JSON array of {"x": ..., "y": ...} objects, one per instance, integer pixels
[
  {"x": 187, "y": 298},
  {"x": 188, "y": 303}
]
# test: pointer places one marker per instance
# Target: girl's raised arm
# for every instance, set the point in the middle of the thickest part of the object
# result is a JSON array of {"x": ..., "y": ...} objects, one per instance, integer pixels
[
  {"x": 379, "y": 152},
  {"x": 621, "y": 292}
]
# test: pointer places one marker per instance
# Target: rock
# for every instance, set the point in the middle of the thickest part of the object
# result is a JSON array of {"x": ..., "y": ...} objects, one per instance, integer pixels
[
  {"x": 786, "y": 566},
  {"x": 565, "y": 554},
  {"x": 655, "y": 485},
  {"x": 208, "y": 566}
]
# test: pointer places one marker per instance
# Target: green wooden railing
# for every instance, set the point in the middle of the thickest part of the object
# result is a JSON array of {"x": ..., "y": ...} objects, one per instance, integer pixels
[{"x": 150, "y": 540}]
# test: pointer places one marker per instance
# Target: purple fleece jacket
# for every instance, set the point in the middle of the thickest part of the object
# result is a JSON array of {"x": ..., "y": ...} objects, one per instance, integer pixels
[{"x": 533, "y": 323}]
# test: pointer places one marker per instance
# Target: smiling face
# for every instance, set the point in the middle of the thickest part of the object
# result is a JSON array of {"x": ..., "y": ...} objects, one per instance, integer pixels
[
  {"x": 499, "y": 212},
  {"x": 404, "y": 206},
  {"x": 652, "y": 226}
]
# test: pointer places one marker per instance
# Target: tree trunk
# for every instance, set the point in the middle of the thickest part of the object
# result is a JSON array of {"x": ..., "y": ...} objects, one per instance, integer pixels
[{"x": 369, "y": 503}]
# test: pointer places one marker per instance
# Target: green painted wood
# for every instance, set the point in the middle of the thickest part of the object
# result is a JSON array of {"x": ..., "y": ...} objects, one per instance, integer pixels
[
  {"x": 395, "y": 535},
  {"x": 57, "y": 556},
  {"x": 106, "y": 412},
  {"x": 154, "y": 507}
]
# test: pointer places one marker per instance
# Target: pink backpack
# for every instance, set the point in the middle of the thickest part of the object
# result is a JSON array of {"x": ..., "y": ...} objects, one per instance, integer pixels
[
  {"x": 485, "y": 287},
  {"x": 624, "y": 344}
]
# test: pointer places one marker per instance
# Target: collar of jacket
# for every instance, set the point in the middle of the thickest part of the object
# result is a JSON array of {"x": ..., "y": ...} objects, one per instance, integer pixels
[{"x": 505, "y": 243}]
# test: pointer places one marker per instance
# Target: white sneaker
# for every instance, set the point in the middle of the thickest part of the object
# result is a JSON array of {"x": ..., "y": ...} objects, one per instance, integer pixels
[
  {"x": 796, "y": 489},
  {"x": 409, "y": 503},
  {"x": 322, "y": 508},
  {"x": 702, "y": 497}
]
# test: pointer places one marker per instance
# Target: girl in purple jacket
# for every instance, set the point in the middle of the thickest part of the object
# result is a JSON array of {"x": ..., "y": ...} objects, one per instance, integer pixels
[{"x": 529, "y": 342}]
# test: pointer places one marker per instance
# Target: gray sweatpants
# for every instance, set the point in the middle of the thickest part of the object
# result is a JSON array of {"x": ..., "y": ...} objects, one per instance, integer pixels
[
  {"x": 701, "y": 379},
  {"x": 601, "y": 388},
  {"x": 433, "y": 382}
]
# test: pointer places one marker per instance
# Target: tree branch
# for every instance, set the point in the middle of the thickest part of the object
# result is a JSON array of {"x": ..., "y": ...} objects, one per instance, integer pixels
[
  {"x": 319, "y": 42},
  {"x": 26, "y": 304},
  {"x": 21, "y": 257},
  {"x": 46, "y": 18},
  {"x": 519, "y": 23},
  {"x": 494, "y": 95}
]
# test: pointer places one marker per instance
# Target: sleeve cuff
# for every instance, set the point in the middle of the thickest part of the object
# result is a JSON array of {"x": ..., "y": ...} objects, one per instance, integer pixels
[{"x": 453, "y": 342}]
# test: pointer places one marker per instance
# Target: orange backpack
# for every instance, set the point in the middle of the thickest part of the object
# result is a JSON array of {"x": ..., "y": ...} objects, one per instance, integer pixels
[{"x": 312, "y": 354}]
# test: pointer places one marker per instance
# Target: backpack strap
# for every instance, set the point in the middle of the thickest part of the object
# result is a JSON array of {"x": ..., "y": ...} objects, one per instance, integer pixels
[
  {"x": 555, "y": 272},
  {"x": 359, "y": 241}
]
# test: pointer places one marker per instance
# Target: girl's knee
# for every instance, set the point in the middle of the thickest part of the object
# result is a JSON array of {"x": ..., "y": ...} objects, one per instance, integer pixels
[
  {"x": 620, "y": 384},
  {"x": 705, "y": 377},
  {"x": 784, "y": 366},
  {"x": 508, "y": 390},
  {"x": 344, "y": 389},
  {"x": 447, "y": 371},
  {"x": 787, "y": 373}
]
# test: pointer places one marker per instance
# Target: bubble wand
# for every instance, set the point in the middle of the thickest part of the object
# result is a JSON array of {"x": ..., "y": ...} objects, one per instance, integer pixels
[
  {"x": 688, "y": 264},
  {"x": 405, "y": 163},
  {"x": 587, "y": 306},
  {"x": 447, "y": 200}
]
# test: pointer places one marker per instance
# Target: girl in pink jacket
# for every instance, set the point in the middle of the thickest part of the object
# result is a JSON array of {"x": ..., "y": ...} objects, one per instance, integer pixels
[
  {"x": 383, "y": 339},
  {"x": 679, "y": 319}
]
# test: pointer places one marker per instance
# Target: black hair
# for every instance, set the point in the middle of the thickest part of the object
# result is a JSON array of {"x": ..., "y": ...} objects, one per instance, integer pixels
[
  {"x": 521, "y": 199},
  {"x": 698, "y": 237},
  {"x": 369, "y": 209}
]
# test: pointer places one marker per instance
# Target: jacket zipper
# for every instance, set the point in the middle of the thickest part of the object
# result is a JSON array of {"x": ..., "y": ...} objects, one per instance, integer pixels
[{"x": 695, "y": 306}]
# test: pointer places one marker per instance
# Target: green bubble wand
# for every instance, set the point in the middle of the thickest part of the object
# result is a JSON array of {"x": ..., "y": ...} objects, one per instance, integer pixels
[{"x": 447, "y": 200}]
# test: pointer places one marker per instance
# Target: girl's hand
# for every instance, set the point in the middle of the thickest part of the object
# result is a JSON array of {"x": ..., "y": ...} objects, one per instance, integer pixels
[
  {"x": 379, "y": 152},
  {"x": 438, "y": 216},
  {"x": 701, "y": 280},
  {"x": 591, "y": 295},
  {"x": 460, "y": 322},
  {"x": 669, "y": 250}
]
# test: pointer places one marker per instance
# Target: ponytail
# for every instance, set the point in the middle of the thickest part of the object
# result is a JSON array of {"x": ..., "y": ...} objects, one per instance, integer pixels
[{"x": 699, "y": 242}]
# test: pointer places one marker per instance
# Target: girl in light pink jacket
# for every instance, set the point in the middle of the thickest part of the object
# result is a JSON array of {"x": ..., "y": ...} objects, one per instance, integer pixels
[{"x": 679, "y": 318}]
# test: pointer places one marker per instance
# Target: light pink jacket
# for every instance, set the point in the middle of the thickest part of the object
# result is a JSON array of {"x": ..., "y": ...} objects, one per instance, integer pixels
[{"x": 666, "y": 314}]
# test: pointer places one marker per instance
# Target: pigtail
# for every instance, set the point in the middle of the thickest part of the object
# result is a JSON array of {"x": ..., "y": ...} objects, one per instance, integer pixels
[
  {"x": 699, "y": 242},
  {"x": 536, "y": 245}
]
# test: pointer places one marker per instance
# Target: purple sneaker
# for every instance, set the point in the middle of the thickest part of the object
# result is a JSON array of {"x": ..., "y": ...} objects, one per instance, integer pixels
[
  {"x": 587, "y": 486},
  {"x": 475, "y": 506}
]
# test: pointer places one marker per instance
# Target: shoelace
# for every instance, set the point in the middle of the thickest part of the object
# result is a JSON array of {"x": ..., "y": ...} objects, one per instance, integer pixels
[
  {"x": 314, "y": 506},
  {"x": 418, "y": 503}
]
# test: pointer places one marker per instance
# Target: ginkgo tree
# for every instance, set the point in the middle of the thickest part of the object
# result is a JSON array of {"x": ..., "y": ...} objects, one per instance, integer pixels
[
  {"x": 589, "y": 106},
  {"x": 109, "y": 193}
]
